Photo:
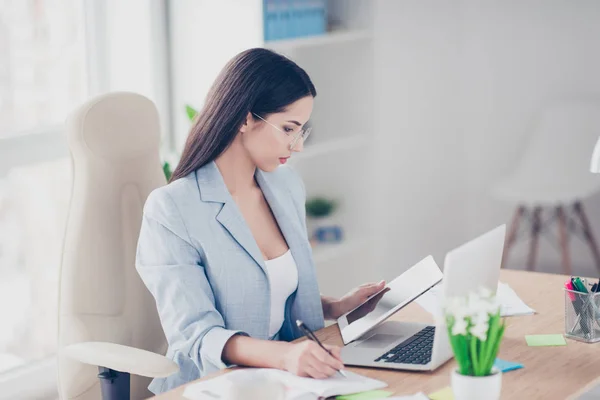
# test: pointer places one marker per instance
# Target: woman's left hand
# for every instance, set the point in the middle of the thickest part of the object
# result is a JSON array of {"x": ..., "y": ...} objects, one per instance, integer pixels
[{"x": 354, "y": 298}]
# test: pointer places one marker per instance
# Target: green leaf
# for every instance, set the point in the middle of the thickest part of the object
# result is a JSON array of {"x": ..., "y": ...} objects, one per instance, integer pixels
[
  {"x": 459, "y": 348},
  {"x": 494, "y": 339},
  {"x": 191, "y": 112},
  {"x": 497, "y": 345},
  {"x": 167, "y": 170},
  {"x": 318, "y": 207},
  {"x": 474, "y": 360}
]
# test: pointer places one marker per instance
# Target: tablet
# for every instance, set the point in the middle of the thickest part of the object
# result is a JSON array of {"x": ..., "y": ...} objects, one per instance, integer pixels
[{"x": 395, "y": 295}]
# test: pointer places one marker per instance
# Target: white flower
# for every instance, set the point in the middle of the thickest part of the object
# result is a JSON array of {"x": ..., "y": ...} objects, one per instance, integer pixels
[
  {"x": 456, "y": 307},
  {"x": 485, "y": 292},
  {"x": 477, "y": 305},
  {"x": 472, "y": 313},
  {"x": 459, "y": 327},
  {"x": 494, "y": 306},
  {"x": 482, "y": 317},
  {"x": 480, "y": 330}
]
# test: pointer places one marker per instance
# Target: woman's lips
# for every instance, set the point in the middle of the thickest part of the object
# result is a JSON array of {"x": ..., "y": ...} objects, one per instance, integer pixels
[{"x": 283, "y": 160}]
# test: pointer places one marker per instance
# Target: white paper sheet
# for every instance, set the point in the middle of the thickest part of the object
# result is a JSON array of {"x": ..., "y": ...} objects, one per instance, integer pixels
[
  {"x": 510, "y": 303},
  {"x": 297, "y": 388}
]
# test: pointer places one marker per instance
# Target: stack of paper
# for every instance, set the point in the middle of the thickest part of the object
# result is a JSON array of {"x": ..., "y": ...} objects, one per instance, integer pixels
[
  {"x": 510, "y": 303},
  {"x": 297, "y": 388}
]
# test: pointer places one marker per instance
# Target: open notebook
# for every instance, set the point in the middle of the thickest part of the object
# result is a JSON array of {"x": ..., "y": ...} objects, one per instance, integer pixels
[{"x": 297, "y": 387}]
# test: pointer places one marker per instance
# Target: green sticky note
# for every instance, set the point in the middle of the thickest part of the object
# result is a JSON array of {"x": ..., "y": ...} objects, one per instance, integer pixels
[
  {"x": 444, "y": 394},
  {"x": 545, "y": 340},
  {"x": 370, "y": 395}
]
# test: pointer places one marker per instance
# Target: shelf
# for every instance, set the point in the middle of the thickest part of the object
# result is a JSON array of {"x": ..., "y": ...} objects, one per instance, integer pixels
[
  {"x": 331, "y": 146},
  {"x": 324, "y": 252},
  {"x": 320, "y": 40}
]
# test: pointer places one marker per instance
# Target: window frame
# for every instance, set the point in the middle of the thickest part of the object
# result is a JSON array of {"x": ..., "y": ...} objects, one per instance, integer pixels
[{"x": 47, "y": 143}]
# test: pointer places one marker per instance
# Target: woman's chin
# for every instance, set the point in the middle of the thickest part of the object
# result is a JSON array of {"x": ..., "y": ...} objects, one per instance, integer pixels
[{"x": 268, "y": 167}]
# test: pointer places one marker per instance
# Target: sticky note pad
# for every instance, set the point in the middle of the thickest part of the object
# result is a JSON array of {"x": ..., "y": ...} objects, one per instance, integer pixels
[
  {"x": 505, "y": 366},
  {"x": 444, "y": 394},
  {"x": 370, "y": 395},
  {"x": 545, "y": 340}
]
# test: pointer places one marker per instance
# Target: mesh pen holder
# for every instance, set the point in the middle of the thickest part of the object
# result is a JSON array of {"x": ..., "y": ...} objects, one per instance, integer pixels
[{"x": 582, "y": 316}]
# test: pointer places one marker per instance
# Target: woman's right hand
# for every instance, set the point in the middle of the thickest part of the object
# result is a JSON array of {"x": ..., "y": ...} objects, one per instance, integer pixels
[{"x": 308, "y": 359}]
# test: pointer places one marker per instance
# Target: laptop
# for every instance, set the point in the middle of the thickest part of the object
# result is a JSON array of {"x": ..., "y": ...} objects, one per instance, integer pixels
[{"x": 372, "y": 341}]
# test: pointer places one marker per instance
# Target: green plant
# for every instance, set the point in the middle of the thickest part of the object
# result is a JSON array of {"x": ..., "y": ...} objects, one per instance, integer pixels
[
  {"x": 167, "y": 170},
  {"x": 319, "y": 207},
  {"x": 475, "y": 329},
  {"x": 191, "y": 112}
]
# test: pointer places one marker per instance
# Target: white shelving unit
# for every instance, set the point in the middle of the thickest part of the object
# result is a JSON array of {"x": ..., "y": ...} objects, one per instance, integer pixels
[
  {"x": 330, "y": 38},
  {"x": 338, "y": 158}
]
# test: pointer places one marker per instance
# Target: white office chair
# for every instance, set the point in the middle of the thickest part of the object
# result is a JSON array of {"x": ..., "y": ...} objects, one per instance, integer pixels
[
  {"x": 107, "y": 317},
  {"x": 554, "y": 175}
]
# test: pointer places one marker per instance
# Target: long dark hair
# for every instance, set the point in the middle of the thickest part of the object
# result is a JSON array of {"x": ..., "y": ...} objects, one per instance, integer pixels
[{"x": 256, "y": 80}]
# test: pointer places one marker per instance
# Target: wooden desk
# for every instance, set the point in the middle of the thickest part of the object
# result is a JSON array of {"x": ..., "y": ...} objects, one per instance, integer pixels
[{"x": 549, "y": 373}]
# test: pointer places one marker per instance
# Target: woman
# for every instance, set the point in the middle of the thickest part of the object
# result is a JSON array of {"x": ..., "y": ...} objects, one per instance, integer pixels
[{"x": 223, "y": 248}]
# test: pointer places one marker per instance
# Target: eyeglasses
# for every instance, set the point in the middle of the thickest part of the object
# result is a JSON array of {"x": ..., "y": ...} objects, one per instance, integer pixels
[{"x": 302, "y": 133}]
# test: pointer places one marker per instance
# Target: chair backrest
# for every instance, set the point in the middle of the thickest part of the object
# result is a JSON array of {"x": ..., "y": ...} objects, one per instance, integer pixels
[
  {"x": 114, "y": 143},
  {"x": 561, "y": 146}
]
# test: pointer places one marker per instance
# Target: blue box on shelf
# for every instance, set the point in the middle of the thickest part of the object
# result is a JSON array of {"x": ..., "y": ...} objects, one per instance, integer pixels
[{"x": 286, "y": 19}]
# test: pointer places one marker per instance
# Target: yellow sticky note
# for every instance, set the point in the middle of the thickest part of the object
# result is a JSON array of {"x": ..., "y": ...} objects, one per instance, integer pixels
[
  {"x": 371, "y": 395},
  {"x": 444, "y": 394},
  {"x": 545, "y": 340}
]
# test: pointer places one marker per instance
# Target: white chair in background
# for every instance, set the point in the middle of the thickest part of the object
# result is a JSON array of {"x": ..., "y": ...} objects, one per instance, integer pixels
[
  {"x": 553, "y": 177},
  {"x": 107, "y": 318}
]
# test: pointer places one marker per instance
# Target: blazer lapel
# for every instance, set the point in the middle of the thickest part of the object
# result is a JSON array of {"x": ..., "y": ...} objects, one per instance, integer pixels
[
  {"x": 212, "y": 188},
  {"x": 284, "y": 212},
  {"x": 306, "y": 302}
]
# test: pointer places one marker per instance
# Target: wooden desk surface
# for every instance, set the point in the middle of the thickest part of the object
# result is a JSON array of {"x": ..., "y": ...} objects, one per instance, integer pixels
[{"x": 549, "y": 373}]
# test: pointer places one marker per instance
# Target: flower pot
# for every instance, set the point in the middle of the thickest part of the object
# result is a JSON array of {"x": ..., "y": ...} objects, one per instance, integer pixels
[
  {"x": 477, "y": 387},
  {"x": 324, "y": 230}
]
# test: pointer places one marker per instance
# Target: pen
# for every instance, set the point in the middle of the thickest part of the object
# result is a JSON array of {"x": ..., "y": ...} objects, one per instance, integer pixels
[
  {"x": 312, "y": 337},
  {"x": 569, "y": 286}
]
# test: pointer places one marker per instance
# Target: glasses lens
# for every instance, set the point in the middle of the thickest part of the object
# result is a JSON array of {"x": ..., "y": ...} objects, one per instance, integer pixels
[{"x": 304, "y": 133}]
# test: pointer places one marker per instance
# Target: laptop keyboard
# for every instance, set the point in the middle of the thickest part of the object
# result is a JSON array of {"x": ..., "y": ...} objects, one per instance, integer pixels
[{"x": 415, "y": 350}]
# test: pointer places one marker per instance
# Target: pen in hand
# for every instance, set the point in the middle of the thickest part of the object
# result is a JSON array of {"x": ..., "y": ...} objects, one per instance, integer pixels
[{"x": 309, "y": 334}]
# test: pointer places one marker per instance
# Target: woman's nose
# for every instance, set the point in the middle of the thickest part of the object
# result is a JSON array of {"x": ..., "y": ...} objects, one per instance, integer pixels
[{"x": 299, "y": 146}]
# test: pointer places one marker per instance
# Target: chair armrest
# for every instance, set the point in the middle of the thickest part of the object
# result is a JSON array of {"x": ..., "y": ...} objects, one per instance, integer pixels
[{"x": 121, "y": 358}]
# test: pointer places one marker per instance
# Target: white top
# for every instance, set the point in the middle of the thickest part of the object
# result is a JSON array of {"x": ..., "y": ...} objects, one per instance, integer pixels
[{"x": 283, "y": 278}]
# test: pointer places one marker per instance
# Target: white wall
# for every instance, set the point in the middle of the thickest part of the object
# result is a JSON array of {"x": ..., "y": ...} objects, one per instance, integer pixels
[
  {"x": 205, "y": 34},
  {"x": 460, "y": 84},
  {"x": 417, "y": 74},
  {"x": 520, "y": 57}
]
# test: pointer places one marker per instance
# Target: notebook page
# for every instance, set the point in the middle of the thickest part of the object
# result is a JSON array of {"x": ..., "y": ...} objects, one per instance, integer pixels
[
  {"x": 332, "y": 386},
  {"x": 298, "y": 388}
]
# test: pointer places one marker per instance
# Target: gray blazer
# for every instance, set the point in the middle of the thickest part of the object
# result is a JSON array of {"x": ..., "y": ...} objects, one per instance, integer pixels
[{"x": 201, "y": 263}]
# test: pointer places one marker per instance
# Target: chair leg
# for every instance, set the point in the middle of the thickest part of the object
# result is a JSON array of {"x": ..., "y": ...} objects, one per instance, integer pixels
[
  {"x": 114, "y": 385},
  {"x": 587, "y": 232},
  {"x": 512, "y": 234},
  {"x": 535, "y": 233},
  {"x": 563, "y": 239}
]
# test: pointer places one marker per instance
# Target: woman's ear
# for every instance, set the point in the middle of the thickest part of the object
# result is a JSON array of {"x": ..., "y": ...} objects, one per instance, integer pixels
[{"x": 247, "y": 125}]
